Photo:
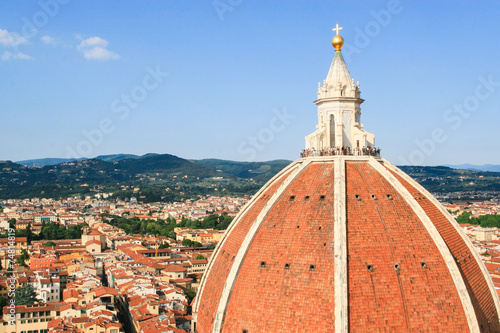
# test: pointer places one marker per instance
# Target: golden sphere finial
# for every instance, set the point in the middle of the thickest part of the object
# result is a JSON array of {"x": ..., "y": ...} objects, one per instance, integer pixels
[{"x": 337, "y": 41}]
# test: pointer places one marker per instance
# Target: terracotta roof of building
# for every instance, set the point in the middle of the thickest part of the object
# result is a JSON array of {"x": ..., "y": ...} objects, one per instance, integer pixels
[
  {"x": 181, "y": 280},
  {"x": 174, "y": 268},
  {"x": 17, "y": 240},
  {"x": 37, "y": 308},
  {"x": 198, "y": 261},
  {"x": 70, "y": 293},
  {"x": 100, "y": 291}
]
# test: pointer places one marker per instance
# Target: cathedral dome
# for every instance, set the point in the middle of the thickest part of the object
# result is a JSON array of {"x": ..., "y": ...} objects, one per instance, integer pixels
[{"x": 345, "y": 243}]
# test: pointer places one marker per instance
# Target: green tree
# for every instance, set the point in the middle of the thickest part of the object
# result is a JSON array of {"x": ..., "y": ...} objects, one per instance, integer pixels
[
  {"x": 190, "y": 293},
  {"x": 25, "y": 295},
  {"x": 197, "y": 244},
  {"x": 21, "y": 260},
  {"x": 12, "y": 223},
  {"x": 488, "y": 221},
  {"x": 29, "y": 234},
  {"x": 225, "y": 221},
  {"x": 464, "y": 218},
  {"x": 187, "y": 242},
  {"x": 164, "y": 246},
  {"x": 200, "y": 257},
  {"x": 3, "y": 302},
  {"x": 49, "y": 244}
]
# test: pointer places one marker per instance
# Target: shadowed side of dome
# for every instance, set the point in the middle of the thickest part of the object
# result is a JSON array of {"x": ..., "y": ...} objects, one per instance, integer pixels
[
  {"x": 388, "y": 245},
  {"x": 479, "y": 285}
]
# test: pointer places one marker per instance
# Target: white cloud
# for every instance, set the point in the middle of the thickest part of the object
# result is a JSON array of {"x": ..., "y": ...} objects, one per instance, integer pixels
[
  {"x": 48, "y": 40},
  {"x": 92, "y": 41},
  {"x": 11, "y": 39},
  {"x": 94, "y": 48},
  {"x": 9, "y": 55},
  {"x": 99, "y": 53}
]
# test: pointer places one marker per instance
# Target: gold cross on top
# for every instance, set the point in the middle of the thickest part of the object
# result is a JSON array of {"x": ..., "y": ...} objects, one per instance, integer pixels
[{"x": 337, "y": 28}]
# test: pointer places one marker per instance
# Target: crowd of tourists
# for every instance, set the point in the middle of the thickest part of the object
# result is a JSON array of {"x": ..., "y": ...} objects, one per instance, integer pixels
[{"x": 333, "y": 151}]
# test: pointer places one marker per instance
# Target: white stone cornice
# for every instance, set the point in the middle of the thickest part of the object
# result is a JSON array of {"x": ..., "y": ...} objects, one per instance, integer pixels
[{"x": 338, "y": 99}]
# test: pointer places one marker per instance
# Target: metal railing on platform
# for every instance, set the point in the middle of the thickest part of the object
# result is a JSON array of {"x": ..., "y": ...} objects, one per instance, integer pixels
[{"x": 334, "y": 151}]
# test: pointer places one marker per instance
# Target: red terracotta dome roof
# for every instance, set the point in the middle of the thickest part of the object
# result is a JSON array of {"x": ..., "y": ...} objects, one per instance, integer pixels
[{"x": 345, "y": 243}]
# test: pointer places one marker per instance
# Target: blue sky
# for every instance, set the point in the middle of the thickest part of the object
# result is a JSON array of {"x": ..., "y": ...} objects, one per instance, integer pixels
[{"x": 236, "y": 79}]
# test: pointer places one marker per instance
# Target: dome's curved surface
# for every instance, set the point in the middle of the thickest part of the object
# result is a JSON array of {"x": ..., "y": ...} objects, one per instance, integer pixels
[{"x": 345, "y": 242}]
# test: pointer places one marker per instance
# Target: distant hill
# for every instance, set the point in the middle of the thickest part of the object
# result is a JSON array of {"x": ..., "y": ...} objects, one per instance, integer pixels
[
  {"x": 260, "y": 171},
  {"x": 446, "y": 179},
  {"x": 55, "y": 161},
  {"x": 116, "y": 157},
  {"x": 48, "y": 161},
  {"x": 484, "y": 167},
  {"x": 119, "y": 157}
]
